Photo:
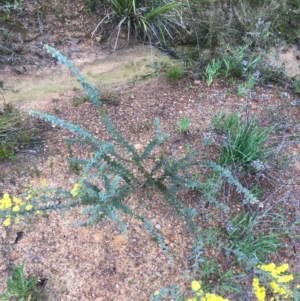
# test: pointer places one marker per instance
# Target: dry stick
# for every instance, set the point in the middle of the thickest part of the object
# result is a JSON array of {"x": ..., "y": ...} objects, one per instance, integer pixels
[
  {"x": 107, "y": 16},
  {"x": 119, "y": 25},
  {"x": 279, "y": 201},
  {"x": 285, "y": 145},
  {"x": 7, "y": 244}
]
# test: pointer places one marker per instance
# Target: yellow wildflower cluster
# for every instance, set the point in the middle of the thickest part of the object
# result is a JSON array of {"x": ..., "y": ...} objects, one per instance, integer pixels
[
  {"x": 196, "y": 287},
  {"x": 75, "y": 190},
  {"x": 11, "y": 207},
  {"x": 276, "y": 282},
  {"x": 259, "y": 291},
  {"x": 276, "y": 271},
  {"x": 199, "y": 294}
]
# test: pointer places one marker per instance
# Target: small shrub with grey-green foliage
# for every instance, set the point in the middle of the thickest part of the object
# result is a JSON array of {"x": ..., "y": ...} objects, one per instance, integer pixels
[
  {"x": 114, "y": 169},
  {"x": 107, "y": 180}
]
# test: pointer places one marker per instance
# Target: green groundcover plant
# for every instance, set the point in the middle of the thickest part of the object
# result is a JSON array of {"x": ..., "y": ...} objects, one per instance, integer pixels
[{"x": 18, "y": 287}]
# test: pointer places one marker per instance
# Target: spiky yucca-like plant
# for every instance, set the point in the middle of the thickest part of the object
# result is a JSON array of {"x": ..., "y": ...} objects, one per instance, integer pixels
[{"x": 153, "y": 20}]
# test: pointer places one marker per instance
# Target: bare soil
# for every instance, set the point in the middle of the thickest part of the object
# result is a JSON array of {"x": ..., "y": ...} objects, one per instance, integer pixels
[{"x": 98, "y": 263}]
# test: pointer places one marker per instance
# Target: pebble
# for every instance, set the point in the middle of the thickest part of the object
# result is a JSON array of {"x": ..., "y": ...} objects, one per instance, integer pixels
[
  {"x": 138, "y": 146},
  {"x": 197, "y": 82},
  {"x": 254, "y": 106},
  {"x": 157, "y": 226},
  {"x": 295, "y": 102}
]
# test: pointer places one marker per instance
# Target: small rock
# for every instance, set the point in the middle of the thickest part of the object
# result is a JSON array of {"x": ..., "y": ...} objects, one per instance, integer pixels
[
  {"x": 167, "y": 241},
  {"x": 254, "y": 106},
  {"x": 197, "y": 82},
  {"x": 157, "y": 226},
  {"x": 295, "y": 102},
  {"x": 138, "y": 146}
]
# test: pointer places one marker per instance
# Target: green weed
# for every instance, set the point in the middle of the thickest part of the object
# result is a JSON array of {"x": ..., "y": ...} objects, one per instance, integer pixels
[
  {"x": 229, "y": 64},
  {"x": 51, "y": 165},
  {"x": 243, "y": 142},
  {"x": 35, "y": 172},
  {"x": 245, "y": 87},
  {"x": 12, "y": 132},
  {"x": 183, "y": 125},
  {"x": 297, "y": 86},
  {"x": 147, "y": 125},
  {"x": 244, "y": 243},
  {"x": 213, "y": 279},
  {"x": 18, "y": 287},
  {"x": 174, "y": 73},
  {"x": 211, "y": 71},
  {"x": 74, "y": 167}
]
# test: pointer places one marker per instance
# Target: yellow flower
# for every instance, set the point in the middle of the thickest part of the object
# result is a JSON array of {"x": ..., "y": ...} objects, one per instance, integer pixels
[
  {"x": 6, "y": 201},
  {"x": 156, "y": 293},
  {"x": 6, "y": 223},
  {"x": 43, "y": 183},
  {"x": 16, "y": 208},
  {"x": 267, "y": 267},
  {"x": 274, "y": 286},
  {"x": 195, "y": 285},
  {"x": 28, "y": 197},
  {"x": 213, "y": 297},
  {"x": 28, "y": 207},
  {"x": 74, "y": 192},
  {"x": 193, "y": 299},
  {"x": 259, "y": 291},
  {"x": 17, "y": 201},
  {"x": 282, "y": 268},
  {"x": 281, "y": 291},
  {"x": 285, "y": 278}
]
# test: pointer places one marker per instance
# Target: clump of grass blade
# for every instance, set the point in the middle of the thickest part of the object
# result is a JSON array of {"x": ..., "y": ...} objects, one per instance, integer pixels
[
  {"x": 243, "y": 141},
  {"x": 174, "y": 73}
]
